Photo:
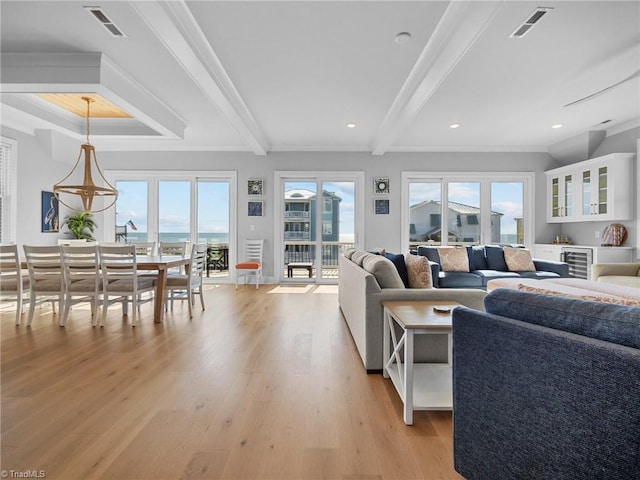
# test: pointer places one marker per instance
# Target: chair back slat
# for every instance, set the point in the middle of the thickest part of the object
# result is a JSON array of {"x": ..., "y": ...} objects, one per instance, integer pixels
[
  {"x": 253, "y": 250},
  {"x": 117, "y": 262},
  {"x": 172, "y": 248},
  {"x": 144, "y": 248},
  {"x": 80, "y": 263},
  {"x": 198, "y": 259}
]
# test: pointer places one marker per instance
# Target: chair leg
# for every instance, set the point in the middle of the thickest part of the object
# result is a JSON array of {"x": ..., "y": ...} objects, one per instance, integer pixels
[
  {"x": 94, "y": 311},
  {"x": 32, "y": 308},
  {"x": 65, "y": 313},
  {"x": 201, "y": 297},
  {"x": 134, "y": 310},
  {"x": 105, "y": 305},
  {"x": 19, "y": 310}
]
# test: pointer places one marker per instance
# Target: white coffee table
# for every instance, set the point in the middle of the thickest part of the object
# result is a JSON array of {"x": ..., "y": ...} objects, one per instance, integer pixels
[{"x": 422, "y": 386}]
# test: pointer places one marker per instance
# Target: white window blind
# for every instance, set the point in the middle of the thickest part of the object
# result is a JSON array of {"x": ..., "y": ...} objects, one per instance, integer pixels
[{"x": 6, "y": 193}]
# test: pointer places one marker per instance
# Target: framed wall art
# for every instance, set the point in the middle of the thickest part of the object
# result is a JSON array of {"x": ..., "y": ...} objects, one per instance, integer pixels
[
  {"x": 381, "y": 206},
  {"x": 381, "y": 185},
  {"x": 50, "y": 218},
  {"x": 255, "y": 187},
  {"x": 255, "y": 209}
]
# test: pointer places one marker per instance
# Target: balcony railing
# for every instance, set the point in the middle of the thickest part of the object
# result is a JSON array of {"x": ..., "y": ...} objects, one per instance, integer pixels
[
  {"x": 297, "y": 236},
  {"x": 293, "y": 215},
  {"x": 307, "y": 252}
]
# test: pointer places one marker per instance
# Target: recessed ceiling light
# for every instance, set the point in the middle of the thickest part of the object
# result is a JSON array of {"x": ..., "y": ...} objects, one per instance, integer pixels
[
  {"x": 403, "y": 37},
  {"x": 351, "y": 125},
  {"x": 454, "y": 125},
  {"x": 557, "y": 125}
]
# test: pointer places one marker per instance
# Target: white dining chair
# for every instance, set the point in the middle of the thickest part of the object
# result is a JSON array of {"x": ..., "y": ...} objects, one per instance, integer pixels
[
  {"x": 82, "y": 280},
  {"x": 13, "y": 285},
  {"x": 172, "y": 248},
  {"x": 252, "y": 261},
  {"x": 121, "y": 282},
  {"x": 186, "y": 286},
  {"x": 45, "y": 277},
  {"x": 144, "y": 248}
]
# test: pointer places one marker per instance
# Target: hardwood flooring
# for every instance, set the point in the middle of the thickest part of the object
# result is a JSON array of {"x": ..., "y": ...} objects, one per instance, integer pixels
[{"x": 264, "y": 384}]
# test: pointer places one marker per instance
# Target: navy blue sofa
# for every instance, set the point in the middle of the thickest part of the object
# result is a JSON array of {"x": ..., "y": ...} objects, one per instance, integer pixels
[
  {"x": 546, "y": 387},
  {"x": 486, "y": 262}
]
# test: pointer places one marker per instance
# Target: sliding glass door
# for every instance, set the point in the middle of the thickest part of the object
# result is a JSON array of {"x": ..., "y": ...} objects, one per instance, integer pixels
[
  {"x": 164, "y": 208},
  {"x": 319, "y": 218}
]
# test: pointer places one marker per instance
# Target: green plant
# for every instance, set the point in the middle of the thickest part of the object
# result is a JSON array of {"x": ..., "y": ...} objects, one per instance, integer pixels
[{"x": 81, "y": 225}]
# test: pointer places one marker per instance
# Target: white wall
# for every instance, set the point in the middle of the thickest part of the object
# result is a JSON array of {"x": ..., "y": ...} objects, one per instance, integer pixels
[{"x": 37, "y": 171}]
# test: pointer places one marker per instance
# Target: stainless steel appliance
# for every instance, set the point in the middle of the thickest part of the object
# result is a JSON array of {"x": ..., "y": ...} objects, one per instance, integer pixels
[{"x": 579, "y": 260}]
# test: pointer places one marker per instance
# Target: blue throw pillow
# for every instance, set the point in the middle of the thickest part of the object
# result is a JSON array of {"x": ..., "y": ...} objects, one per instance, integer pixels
[
  {"x": 495, "y": 258},
  {"x": 477, "y": 260},
  {"x": 401, "y": 266}
]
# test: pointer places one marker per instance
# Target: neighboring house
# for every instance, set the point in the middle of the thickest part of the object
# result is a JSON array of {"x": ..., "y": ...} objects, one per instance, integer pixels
[
  {"x": 300, "y": 222},
  {"x": 463, "y": 222}
]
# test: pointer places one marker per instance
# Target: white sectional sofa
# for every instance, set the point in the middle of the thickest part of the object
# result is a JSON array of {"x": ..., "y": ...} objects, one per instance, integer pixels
[{"x": 360, "y": 296}]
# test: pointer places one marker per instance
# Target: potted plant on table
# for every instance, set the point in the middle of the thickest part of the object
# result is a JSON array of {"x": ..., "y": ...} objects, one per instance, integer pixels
[{"x": 81, "y": 225}]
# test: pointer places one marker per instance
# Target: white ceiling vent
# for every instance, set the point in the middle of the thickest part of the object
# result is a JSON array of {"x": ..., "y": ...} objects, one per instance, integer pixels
[
  {"x": 99, "y": 15},
  {"x": 531, "y": 20}
]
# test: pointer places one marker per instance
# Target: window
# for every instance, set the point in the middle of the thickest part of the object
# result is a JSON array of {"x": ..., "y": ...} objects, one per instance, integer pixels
[
  {"x": 8, "y": 190},
  {"x": 175, "y": 206},
  {"x": 475, "y": 208}
]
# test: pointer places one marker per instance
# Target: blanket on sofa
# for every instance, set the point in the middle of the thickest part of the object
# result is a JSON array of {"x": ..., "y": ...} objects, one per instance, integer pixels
[{"x": 573, "y": 288}]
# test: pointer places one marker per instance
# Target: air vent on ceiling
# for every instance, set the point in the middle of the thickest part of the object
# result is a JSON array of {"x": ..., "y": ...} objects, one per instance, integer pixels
[
  {"x": 99, "y": 15},
  {"x": 531, "y": 20}
]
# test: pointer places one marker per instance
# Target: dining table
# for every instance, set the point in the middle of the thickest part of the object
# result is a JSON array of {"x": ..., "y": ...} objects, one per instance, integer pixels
[{"x": 161, "y": 264}]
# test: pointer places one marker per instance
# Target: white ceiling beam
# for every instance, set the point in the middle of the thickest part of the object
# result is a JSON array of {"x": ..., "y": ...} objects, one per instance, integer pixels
[
  {"x": 86, "y": 72},
  {"x": 174, "y": 25},
  {"x": 458, "y": 29}
]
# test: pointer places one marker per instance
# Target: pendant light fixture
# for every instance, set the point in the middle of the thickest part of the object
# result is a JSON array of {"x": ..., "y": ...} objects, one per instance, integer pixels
[{"x": 88, "y": 190}]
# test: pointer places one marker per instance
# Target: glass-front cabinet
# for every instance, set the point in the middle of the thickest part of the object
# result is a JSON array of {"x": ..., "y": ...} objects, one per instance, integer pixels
[
  {"x": 561, "y": 193},
  {"x": 593, "y": 190}
]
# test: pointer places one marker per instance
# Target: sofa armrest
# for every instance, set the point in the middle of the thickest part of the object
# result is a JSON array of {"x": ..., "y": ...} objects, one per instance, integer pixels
[
  {"x": 534, "y": 402},
  {"x": 617, "y": 269},
  {"x": 561, "y": 268},
  {"x": 435, "y": 273}
]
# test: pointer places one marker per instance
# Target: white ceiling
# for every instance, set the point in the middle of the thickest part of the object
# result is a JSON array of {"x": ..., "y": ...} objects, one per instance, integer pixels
[{"x": 267, "y": 76}]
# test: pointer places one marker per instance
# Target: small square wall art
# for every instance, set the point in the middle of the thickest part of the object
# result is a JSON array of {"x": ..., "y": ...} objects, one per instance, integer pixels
[
  {"x": 255, "y": 209},
  {"x": 381, "y": 206},
  {"x": 255, "y": 187}
]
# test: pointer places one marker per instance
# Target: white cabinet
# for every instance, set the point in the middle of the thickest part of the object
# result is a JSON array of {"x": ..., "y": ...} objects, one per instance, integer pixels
[
  {"x": 593, "y": 190},
  {"x": 560, "y": 197}
]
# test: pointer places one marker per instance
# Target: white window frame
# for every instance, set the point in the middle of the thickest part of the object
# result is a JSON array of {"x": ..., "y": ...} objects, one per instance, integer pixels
[
  {"x": 153, "y": 179},
  {"x": 485, "y": 179},
  {"x": 9, "y": 212},
  {"x": 279, "y": 179}
]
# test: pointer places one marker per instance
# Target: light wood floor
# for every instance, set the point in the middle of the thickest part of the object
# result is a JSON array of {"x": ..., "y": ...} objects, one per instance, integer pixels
[{"x": 264, "y": 384}]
